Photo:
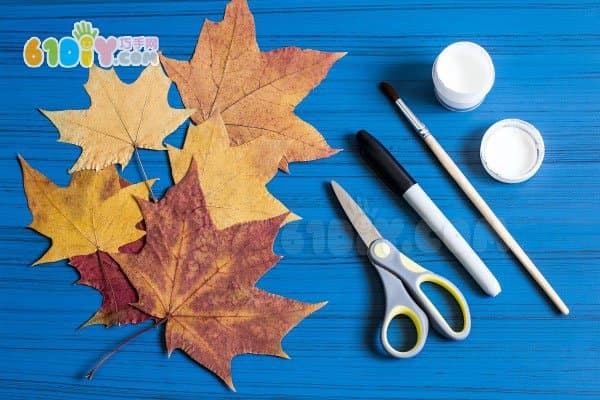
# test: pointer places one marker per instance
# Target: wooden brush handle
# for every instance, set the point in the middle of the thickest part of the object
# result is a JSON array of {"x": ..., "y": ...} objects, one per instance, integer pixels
[{"x": 493, "y": 220}]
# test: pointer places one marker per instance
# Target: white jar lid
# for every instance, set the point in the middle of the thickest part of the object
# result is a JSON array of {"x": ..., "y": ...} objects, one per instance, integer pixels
[
  {"x": 512, "y": 150},
  {"x": 463, "y": 74}
]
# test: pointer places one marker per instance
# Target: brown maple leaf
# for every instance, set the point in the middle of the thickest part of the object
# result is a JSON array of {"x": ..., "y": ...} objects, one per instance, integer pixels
[
  {"x": 255, "y": 92},
  {"x": 122, "y": 118},
  {"x": 96, "y": 214},
  {"x": 199, "y": 281},
  {"x": 233, "y": 178}
]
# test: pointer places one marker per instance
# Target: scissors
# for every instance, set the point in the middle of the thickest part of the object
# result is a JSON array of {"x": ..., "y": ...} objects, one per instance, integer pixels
[{"x": 399, "y": 273}]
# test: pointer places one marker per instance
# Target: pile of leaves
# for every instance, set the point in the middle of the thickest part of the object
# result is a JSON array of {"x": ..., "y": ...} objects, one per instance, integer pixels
[{"x": 190, "y": 261}]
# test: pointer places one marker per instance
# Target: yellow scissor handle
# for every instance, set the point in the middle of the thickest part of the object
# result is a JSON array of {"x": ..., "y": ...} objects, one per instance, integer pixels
[
  {"x": 421, "y": 332},
  {"x": 436, "y": 318}
]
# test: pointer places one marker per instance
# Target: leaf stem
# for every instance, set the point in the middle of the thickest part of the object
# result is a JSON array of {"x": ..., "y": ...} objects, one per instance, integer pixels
[
  {"x": 108, "y": 355},
  {"x": 145, "y": 176}
]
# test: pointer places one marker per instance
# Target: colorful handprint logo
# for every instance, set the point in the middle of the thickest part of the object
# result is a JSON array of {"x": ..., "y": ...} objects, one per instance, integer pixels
[
  {"x": 84, "y": 43},
  {"x": 85, "y": 34}
]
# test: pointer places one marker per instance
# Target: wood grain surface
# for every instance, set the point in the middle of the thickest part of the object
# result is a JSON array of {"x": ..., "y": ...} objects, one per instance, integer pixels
[{"x": 547, "y": 58}]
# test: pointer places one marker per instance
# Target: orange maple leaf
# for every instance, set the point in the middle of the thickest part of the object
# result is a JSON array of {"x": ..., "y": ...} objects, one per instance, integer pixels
[
  {"x": 256, "y": 92},
  {"x": 199, "y": 281}
]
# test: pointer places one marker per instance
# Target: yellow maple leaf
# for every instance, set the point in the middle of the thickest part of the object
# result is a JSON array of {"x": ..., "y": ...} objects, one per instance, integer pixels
[
  {"x": 92, "y": 214},
  {"x": 233, "y": 178},
  {"x": 121, "y": 118}
]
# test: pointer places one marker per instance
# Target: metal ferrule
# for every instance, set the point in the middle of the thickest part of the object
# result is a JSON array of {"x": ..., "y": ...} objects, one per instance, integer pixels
[
  {"x": 423, "y": 132},
  {"x": 417, "y": 125}
]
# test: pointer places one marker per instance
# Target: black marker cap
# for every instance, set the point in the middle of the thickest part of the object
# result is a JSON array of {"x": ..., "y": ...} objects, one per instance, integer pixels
[{"x": 384, "y": 163}]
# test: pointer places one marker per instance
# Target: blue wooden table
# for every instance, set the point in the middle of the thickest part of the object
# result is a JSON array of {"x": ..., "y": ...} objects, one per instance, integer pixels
[{"x": 547, "y": 58}]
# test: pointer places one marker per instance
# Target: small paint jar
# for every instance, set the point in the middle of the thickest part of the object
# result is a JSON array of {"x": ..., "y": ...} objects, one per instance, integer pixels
[
  {"x": 512, "y": 150},
  {"x": 463, "y": 74}
]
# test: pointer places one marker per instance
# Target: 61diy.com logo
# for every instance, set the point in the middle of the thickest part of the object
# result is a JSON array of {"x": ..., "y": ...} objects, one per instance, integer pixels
[{"x": 85, "y": 43}]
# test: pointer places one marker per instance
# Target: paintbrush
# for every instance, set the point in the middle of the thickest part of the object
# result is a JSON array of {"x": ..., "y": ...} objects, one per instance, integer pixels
[{"x": 475, "y": 198}]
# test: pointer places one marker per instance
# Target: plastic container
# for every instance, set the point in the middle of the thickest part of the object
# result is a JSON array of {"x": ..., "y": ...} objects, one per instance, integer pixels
[
  {"x": 512, "y": 150},
  {"x": 463, "y": 74}
]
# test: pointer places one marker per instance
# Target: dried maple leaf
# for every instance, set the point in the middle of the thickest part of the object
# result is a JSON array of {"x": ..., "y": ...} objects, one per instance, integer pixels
[
  {"x": 100, "y": 271},
  {"x": 233, "y": 178},
  {"x": 256, "y": 92},
  {"x": 122, "y": 118},
  {"x": 199, "y": 281},
  {"x": 94, "y": 215}
]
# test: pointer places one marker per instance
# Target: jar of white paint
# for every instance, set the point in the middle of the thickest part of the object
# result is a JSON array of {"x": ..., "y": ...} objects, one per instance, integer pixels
[
  {"x": 512, "y": 150},
  {"x": 463, "y": 74}
]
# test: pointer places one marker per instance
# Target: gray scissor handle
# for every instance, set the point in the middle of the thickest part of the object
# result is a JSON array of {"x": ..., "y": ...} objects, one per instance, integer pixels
[
  {"x": 384, "y": 254},
  {"x": 398, "y": 302}
]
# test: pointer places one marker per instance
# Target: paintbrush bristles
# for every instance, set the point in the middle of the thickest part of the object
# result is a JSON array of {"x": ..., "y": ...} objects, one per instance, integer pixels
[{"x": 389, "y": 90}]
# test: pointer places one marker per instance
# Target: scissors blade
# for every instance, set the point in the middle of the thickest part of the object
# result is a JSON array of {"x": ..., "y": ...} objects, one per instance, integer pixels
[{"x": 359, "y": 220}]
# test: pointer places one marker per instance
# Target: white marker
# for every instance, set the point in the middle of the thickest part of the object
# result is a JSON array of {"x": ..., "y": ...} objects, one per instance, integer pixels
[{"x": 403, "y": 184}]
